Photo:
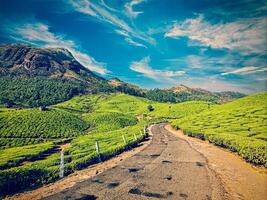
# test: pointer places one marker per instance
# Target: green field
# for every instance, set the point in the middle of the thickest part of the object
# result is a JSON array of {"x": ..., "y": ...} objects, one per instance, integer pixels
[
  {"x": 240, "y": 126},
  {"x": 30, "y": 139}
]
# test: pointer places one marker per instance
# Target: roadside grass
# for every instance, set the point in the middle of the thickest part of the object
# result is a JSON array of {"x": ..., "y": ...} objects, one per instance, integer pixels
[
  {"x": 180, "y": 110},
  {"x": 80, "y": 154},
  {"x": 240, "y": 126}
]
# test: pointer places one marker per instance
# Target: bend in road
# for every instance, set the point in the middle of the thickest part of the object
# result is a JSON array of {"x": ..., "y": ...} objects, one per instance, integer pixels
[{"x": 169, "y": 168}]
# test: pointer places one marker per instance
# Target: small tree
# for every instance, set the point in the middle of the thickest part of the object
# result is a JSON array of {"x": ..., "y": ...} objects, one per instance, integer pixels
[
  {"x": 150, "y": 108},
  {"x": 8, "y": 103}
]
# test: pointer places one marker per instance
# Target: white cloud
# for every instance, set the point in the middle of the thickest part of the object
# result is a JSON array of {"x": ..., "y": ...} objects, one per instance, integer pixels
[
  {"x": 245, "y": 35},
  {"x": 215, "y": 85},
  {"x": 129, "y": 8},
  {"x": 246, "y": 70},
  {"x": 129, "y": 39},
  {"x": 143, "y": 67},
  {"x": 107, "y": 15},
  {"x": 194, "y": 61},
  {"x": 38, "y": 33}
]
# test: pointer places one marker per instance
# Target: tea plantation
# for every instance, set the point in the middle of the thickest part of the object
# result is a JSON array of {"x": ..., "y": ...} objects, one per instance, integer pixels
[
  {"x": 240, "y": 126},
  {"x": 30, "y": 139}
]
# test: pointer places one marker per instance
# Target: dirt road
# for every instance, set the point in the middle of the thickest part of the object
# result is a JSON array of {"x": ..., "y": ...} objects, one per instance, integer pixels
[{"x": 168, "y": 168}]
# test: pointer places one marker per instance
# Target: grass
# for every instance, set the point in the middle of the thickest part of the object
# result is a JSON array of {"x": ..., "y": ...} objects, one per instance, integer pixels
[
  {"x": 180, "y": 110},
  {"x": 14, "y": 156},
  {"x": 32, "y": 123},
  {"x": 240, "y": 126},
  {"x": 107, "y": 121},
  {"x": 80, "y": 154}
]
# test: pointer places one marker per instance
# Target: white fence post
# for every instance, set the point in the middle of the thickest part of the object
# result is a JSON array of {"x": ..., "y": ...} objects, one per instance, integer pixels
[
  {"x": 144, "y": 130},
  {"x": 135, "y": 137},
  {"x": 98, "y": 151},
  {"x": 61, "y": 168},
  {"x": 124, "y": 139}
]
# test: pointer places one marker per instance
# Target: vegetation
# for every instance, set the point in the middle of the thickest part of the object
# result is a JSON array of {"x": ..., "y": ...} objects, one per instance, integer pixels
[
  {"x": 32, "y": 92},
  {"x": 240, "y": 126},
  {"x": 80, "y": 154},
  {"x": 109, "y": 120},
  {"x": 194, "y": 95},
  {"x": 14, "y": 156},
  {"x": 29, "y": 150},
  {"x": 150, "y": 108},
  {"x": 33, "y": 123}
]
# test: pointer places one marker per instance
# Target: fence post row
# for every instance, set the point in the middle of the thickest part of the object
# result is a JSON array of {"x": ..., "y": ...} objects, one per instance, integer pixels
[
  {"x": 61, "y": 168},
  {"x": 98, "y": 151}
]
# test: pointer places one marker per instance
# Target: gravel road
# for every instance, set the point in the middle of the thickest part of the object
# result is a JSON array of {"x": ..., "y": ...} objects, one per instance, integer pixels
[{"x": 168, "y": 168}]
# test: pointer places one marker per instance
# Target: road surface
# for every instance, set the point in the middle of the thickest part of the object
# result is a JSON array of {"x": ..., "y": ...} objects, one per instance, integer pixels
[{"x": 168, "y": 168}]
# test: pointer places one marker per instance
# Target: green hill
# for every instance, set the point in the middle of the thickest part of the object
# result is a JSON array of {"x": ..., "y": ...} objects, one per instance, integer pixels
[
  {"x": 240, "y": 126},
  {"x": 107, "y": 118},
  {"x": 32, "y": 76}
]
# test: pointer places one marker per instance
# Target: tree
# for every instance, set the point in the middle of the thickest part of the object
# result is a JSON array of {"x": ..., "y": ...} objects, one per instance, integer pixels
[{"x": 150, "y": 108}]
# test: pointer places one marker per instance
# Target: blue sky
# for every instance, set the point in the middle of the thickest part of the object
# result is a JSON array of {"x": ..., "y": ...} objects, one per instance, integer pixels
[{"x": 212, "y": 44}]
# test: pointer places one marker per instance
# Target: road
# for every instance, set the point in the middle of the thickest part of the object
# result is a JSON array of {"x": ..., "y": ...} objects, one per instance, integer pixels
[{"x": 168, "y": 168}]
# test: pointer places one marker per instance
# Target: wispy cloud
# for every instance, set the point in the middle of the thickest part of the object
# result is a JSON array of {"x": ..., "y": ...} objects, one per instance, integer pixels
[
  {"x": 39, "y": 34},
  {"x": 246, "y": 70},
  {"x": 215, "y": 85},
  {"x": 146, "y": 70},
  {"x": 245, "y": 35},
  {"x": 129, "y": 8},
  {"x": 101, "y": 12}
]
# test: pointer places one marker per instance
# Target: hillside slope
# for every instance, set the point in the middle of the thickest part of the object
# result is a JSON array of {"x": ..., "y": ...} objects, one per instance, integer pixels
[
  {"x": 29, "y": 61},
  {"x": 126, "y": 88},
  {"x": 185, "y": 93},
  {"x": 33, "y": 76},
  {"x": 240, "y": 125}
]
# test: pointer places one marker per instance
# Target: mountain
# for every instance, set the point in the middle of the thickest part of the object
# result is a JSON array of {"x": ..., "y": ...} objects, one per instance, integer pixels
[
  {"x": 184, "y": 88},
  {"x": 39, "y": 76},
  {"x": 181, "y": 93},
  {"x": 34, "y": 76},
  {"x": 127, "y": 88},
  {"x": 28, "y": 61}
]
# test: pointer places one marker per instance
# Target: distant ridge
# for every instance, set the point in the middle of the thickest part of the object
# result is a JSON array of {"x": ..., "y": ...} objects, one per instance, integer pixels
[
  {"x": 127, "y": 88},
  {"x": 198, "y": 93}
]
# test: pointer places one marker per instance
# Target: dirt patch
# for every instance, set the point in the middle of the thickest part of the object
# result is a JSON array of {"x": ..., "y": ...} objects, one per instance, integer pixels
[
  {"x": 131, "y": 170},
  {"x": 87, "y": 197},
  {"x": 137, "y": 191},
  {"x": 154, "y": 155},
  {"x": 153, "y": 195},
  {"x": 183, "y": 195},
  {"x": 240, "y": 179},
  {"x": 166, "y": 161},
  {"x": 64, "y": 146},
  {"x": 168, "y": 178},
  {"x": 200, "y": 164},
  {"x": 113, "y": 185},
  {"x": 97, "y": 181}
]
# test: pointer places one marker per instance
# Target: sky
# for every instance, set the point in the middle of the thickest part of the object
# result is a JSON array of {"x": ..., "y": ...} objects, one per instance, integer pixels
[{"x": 216, "y": 45}]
